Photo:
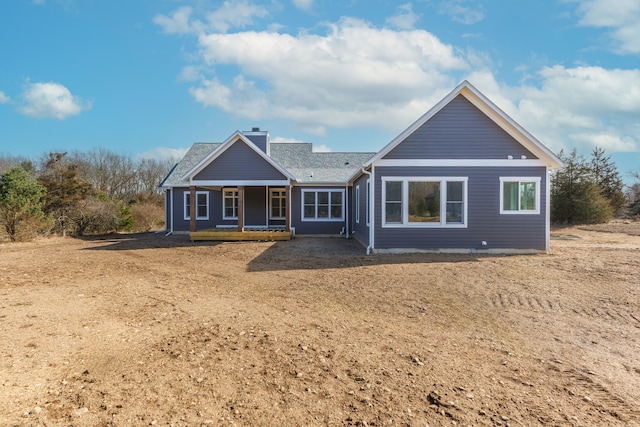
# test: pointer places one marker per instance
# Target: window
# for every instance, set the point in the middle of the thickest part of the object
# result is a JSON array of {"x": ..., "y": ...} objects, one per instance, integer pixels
[
  {"x": 230, "y": 204},
  {"x": 322, "y": 205},
  {"x": 357, "y": 197},
  {"x": 278, "y": 204},
  {"x": 424, "y": 202},
  {"x": 519, "y": 195},
  {"x": 202, "y": 205},
  {"x": 367, "y": 201}
]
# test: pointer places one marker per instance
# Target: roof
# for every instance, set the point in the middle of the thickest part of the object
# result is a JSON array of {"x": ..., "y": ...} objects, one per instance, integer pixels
[
  {"x": 198, "y": 152},
  {"x": 310, "y": 167},
  {"x": 299, "y": 159},
  {"x": 492, "y": 111}
]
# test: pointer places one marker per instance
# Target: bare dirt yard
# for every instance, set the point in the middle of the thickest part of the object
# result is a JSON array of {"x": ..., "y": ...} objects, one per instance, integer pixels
[{"x": 153, "y": 330}]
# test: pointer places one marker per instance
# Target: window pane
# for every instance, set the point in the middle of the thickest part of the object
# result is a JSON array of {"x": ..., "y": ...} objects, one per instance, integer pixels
[
  {"x": 309, "y": 198},
  {"x": 323, "y": 197},
  {"x": 424, "y": 201},
  {"x": 323, "y": 211},
  {"x": 454, "y": 212},
  {"x": 528, "y": 196},
  {"x": 454, "y": 191},
  {"x": 510, "y": 196},
  {"x": 275, "y": 212},
  {"x": 336, "y": 198},
  {"x": 228, "y": 211},
  {"x": 309, "y": 211},
  {"x": 394, "y": 191},
  {"x": 393, "y": 212},
  {"x": 336, "y": 211}
]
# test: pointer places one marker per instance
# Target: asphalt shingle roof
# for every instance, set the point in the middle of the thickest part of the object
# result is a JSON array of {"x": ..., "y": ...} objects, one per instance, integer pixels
[{"x": 299, "y": 159}]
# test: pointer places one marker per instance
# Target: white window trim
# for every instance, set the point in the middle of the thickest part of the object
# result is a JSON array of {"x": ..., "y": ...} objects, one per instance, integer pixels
[
  {"x": 520, "y": 179},
  {"x": 320, "y": 190},
  {"x": 187, "y": 216},
  {"x": 357, "y": 197},
  {"x": 443, "y": 202},
  {"x": 224, "y": 203},
  {"x": 283, "y": 197},
  {"x": 366, "y": 201}
]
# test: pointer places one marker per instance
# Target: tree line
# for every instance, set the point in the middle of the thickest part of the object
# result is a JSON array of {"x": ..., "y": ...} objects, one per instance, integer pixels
[
  {"x": 99, "y": 191},
  {"x": 591, "y": 190},
  {"x": 80, "y": 193}
]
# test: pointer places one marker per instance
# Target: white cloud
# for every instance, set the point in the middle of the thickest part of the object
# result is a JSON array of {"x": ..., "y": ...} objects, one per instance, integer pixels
[
  {"x": 4, "y": 98},
  {"x": 405, "y": 19},
  {"x": 231, "y": 14},
  {"x": 330, "y": 80},
  {"x": 321, "y": 149},
  {"x": 461, "y": 13},
  {"x": 162, "y": 153},
  {"x": 178, "y": 22},
  {"x": 620, "y": 16},
  {"x": 51, "y": 100},
  {"x": 303, "y": 4}
]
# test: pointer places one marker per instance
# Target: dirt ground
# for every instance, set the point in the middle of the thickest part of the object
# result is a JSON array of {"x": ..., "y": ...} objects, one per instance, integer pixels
[{"x": 153, "y": 330}]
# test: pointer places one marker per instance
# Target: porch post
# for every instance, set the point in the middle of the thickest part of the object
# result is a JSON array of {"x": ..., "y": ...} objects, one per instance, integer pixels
[
  {"x": 240, "y": 208},
  {"x": 192, "y": 208},
  {"x": 287, "y": 200}
]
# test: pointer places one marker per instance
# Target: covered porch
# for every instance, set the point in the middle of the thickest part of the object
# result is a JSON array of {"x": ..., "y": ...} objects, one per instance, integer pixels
[{"x": 261, "y": 213}]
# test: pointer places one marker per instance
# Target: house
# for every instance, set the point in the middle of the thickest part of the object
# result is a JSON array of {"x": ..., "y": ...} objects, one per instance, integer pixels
[{"x": 464, "y": 177}]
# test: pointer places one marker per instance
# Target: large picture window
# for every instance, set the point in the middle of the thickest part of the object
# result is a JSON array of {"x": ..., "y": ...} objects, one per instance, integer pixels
[
  {"x": 278, "y": 204},
  {"x": 424, "y": 201},
  {"x": 202, "y": 205},
  {"x": 322, "y": 205},
  {"x": 519, "y": 195},
  {"x": 230, "y": 203}
]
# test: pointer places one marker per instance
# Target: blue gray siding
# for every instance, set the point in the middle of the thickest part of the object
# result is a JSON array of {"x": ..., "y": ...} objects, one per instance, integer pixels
[
  {"x": 360, "y": 231},
  {"x": 239, "y": 162},
  {"x": 311, "y": 227},
  {"x": 260, "y": 141},
  {"x": 215, "y": 210},
  {"x": 484, "y": 219},
  {"x": 459, "y": 131}
]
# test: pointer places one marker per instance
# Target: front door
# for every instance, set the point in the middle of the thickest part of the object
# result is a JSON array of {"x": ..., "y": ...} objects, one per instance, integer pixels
[{"x": 255, "y": 207}]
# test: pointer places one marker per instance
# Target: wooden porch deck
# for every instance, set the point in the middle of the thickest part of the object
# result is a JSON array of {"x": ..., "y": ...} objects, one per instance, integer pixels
[{"x": 233, "y": 235}]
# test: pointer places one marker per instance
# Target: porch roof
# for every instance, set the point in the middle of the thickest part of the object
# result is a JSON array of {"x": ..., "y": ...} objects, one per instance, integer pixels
[{"x": 298, "y": 159}]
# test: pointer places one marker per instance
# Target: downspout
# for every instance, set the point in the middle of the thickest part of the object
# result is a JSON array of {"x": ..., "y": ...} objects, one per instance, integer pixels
[
  {"x": 170, "y": 232},
  {"x": 346, "y": 210},
  {"x": 548, "y": 211},
  {"x": 370, "y": 207}
]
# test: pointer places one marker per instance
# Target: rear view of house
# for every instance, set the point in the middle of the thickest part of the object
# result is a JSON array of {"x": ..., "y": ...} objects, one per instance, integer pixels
[{"x": 464, "y": 177}]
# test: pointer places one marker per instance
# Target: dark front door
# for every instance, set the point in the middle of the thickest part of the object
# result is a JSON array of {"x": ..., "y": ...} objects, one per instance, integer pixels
[{"x": 255, "y": 207}]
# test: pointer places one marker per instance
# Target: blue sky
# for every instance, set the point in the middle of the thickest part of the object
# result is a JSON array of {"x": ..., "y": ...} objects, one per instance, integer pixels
[{"x": 150, "y": 77}]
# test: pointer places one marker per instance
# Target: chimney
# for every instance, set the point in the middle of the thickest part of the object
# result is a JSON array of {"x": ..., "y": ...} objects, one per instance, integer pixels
[{"x": 260, "y": 138}]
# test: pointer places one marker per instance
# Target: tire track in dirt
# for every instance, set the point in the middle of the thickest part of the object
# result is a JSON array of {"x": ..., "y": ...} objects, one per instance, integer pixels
[
  {"x": 537, "y": 304},
  {"x": 583, "y": 385}
]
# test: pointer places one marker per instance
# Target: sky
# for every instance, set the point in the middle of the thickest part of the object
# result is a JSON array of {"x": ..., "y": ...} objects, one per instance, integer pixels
[{"x": 148, "y": 78}]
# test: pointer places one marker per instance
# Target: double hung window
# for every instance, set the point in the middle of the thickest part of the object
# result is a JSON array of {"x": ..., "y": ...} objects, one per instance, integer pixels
[
  {"x": 322, "y": 205},
  {"x": 202, "y": 205},
  {"x": 278, "y": 204},
  {"x": 230, "y": 203},
  {"x": 424, "y": 201},
  {"x": 519, "y": 195}
]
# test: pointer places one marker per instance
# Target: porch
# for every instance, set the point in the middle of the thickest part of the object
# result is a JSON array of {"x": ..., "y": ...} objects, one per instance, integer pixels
[{"x": 248, "y": 234}]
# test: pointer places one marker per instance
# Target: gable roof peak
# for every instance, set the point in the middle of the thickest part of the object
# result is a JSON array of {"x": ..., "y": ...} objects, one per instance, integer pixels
[{"x": 488, "y": 108}]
